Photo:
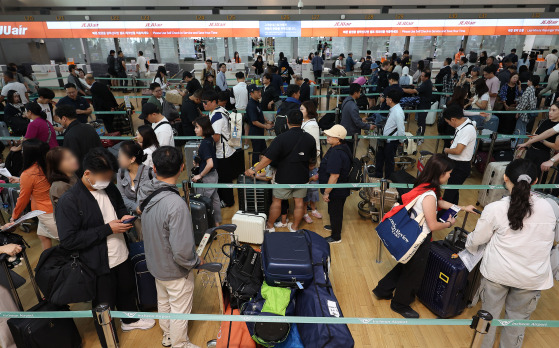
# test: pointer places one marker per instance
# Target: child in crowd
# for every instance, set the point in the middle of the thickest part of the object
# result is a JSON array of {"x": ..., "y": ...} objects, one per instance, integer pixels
[{"x": 312, "y": 197}]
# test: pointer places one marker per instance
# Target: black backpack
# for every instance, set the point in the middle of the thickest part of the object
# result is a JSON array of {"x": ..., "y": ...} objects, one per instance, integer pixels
[
  {"x": 334, "y": 71},
  {"x": 366, "y": 67},
  {"x": 244, "y": 275},
  {"x": 473, "y": 57},
  {"x": 355, "y": 175},
  {"x": 280, "y": 125}
]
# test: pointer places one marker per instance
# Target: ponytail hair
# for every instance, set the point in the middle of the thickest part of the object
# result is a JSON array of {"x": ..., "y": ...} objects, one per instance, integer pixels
[
  {"x": 522, "y": 174},
  {"x": 132, "y": 149},
  {"x": 36, "y": 109}
]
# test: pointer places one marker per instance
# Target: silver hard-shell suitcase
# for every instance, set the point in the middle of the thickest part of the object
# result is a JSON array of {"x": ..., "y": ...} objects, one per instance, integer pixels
[{"x": 250, "y": 226}]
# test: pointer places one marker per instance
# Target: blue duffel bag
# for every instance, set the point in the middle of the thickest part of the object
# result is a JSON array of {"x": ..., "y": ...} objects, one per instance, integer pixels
[{"x": 318, "y": 300}]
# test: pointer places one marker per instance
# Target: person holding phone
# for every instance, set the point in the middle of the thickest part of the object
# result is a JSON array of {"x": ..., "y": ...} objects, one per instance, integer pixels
[
  {"x": 402, "y": 283},
  {"x": 90, "y": 221},
  {"x": 508, "y": 96}
]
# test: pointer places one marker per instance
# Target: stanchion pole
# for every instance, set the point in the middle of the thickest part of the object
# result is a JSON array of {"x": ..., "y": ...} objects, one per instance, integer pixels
[
  {"x": 481, "y": 323},
  {"x": 491, "y": 146},
  {"x": 103, "y": 316},
  {"x": 383, "y": 188}
]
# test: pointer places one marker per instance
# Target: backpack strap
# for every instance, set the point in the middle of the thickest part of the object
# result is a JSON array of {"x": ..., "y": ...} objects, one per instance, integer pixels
[
  {"x": 155, "y": 193},
  {"x": 162, "y": 123}
]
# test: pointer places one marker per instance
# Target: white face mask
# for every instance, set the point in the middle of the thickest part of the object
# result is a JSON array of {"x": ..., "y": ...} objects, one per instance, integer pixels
[{"x": 99, "y": 185}]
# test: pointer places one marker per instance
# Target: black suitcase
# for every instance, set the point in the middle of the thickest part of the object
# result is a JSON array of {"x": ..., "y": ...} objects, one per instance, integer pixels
[
  {"x": 145, "y": 282},
  {"x": 202, "y": 212},
  {"x": 41, "y": 333},
  {"x": 263, "y": 196}
]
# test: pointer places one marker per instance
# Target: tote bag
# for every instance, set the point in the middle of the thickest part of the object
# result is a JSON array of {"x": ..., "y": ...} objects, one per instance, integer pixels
[{"x": 401, "y": 234}]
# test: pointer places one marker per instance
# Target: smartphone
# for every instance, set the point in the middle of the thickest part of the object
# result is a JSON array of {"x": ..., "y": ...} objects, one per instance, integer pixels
[
  {"x": 129, "y": 221},
  {"x": 453, "y": 211}
]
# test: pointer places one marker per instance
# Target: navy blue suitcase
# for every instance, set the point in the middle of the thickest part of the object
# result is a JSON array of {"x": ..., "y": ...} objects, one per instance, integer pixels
[
  {"x": 145, "y": 282},
  {"x": 446, "y": 282},
  {"x": 286, "y": 259}
]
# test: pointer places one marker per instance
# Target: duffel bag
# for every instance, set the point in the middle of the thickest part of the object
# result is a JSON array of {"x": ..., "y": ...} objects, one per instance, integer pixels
[
  {"x": 318, "y": 300},
  {"x": 110, "y": 142}
]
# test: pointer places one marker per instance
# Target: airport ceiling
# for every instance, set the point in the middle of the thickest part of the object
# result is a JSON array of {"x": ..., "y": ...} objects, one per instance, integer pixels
[{"x": 247, "y": 7}]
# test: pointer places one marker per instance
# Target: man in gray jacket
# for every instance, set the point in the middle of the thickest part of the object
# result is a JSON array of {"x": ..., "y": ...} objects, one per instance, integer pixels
[
  {"x": 169, "y": 244},
  {"x": 351, "y": 119}
]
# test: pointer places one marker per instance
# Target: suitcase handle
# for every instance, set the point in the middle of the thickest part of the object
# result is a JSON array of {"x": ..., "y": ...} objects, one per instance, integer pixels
[{"x": 31, "y": 277}]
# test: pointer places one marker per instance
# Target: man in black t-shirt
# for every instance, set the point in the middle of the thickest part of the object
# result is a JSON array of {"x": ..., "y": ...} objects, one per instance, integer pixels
[
  {"x": 190, "y": 110},
  {"x": 291, "y": 154},
  {"x": 121, "y": 70},
  {"x": 425, "y": 92}
]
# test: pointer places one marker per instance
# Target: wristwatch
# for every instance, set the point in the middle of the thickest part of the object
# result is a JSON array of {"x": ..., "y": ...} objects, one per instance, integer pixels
[{"x": 253, "y": 169}]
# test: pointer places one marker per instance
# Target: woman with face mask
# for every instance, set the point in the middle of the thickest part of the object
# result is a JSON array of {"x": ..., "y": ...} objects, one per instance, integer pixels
[{"x": 35, "y": 187}]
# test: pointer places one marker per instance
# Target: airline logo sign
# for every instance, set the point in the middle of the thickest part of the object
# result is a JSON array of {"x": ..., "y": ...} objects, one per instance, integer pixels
[{"x": 337, "y": 28}]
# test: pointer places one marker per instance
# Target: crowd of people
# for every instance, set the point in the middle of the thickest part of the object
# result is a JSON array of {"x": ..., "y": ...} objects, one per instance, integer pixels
[{"x": 89, "y": 195}]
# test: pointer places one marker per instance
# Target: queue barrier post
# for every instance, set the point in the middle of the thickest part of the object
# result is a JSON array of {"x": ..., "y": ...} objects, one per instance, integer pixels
[
  {"x": 103, "y": 316},
  {"x": 383, "y": 187},
  {"x": 481, "y": 323}
]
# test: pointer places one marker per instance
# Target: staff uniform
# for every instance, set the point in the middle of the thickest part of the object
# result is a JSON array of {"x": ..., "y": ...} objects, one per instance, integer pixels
[
  {"x": 465, "y": 134},
  {"x": 394, "y": 126},
  {"x": 515, "y": 265}
]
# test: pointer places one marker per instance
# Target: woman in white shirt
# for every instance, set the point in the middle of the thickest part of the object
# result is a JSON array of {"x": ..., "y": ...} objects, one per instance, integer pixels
[
  {"x": 402, "y": 283},
  {"x": 161, "y": 78},
  {"x": 145, "y": 136},
  {"x": 518, "y": 234}
]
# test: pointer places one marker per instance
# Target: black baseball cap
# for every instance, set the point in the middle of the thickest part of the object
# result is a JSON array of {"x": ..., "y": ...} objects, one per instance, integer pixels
[
  {"x": 148, "y": 109},
  {"x": 187, "y": 74},
  {"x": 252, "y": 88}
]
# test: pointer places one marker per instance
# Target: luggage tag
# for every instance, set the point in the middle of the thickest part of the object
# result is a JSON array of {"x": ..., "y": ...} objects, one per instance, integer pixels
[{"x": 299, "y": 285}]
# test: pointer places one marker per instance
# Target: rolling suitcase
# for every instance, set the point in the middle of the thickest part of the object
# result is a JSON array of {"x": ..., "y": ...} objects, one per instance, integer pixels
[
  {"x": 286, "y": 259},
  {"x": 263, "y": 197},
  {"x": 146, "y": 291},
  {"x": 250, "y": 226},
  {"x": 201, "y": 210},
  {"x": 447, "y": 286},
  {"x": 493, "y": 176},
  {"x": 41, "y": 333}
]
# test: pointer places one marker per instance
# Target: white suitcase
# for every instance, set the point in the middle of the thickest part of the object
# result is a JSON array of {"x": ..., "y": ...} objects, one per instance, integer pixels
[
  {"x": 250, "y": 226},
  {"x": 493, "y": 176},
  {"x": 432, "y": 115}
]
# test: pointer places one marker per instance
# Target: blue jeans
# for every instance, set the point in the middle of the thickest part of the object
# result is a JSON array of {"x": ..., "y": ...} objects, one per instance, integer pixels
[
  {"x": 492, "y": 124},
  {"x": 520, "y": 129},
  {"x": 378, "y": 119}
]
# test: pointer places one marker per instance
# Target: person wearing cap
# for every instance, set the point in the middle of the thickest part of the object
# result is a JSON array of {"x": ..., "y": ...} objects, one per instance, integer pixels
[
  {"x": 334, "y": 168},
  {"x": 192, "y": 83},
  {"x": 159, "y": 123},
  {"x": 340, "y": 62},
  {"x": 257, "y": 122}
]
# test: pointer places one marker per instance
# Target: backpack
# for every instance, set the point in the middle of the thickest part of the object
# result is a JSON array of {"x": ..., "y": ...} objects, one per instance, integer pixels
[
  {"x": 473, "y": 57},
  {"x": 355, "y": 174},
  {"x": 366, "y": 67},
  {"x": 333, "y": 69},
  {"x": 280, "y": 125},
  {"x": 244, "y": 276},
  {"x": 439, "y": 79}
]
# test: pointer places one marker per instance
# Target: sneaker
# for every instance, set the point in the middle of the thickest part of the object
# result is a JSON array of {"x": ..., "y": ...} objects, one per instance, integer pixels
[
  {"x": 166, "y": 341},
  {"x": 289, "y": 226},
  {"x": 307, "y": 219},
  {"x": 222, "y": 204},
  {"x": 328, "y": 227},
  {"x": 280, "y": 224},
  {"x": 316, "y": 214},
  {"x": 270, "y": 229},
  {"x": 246, "y": 147},
  {"x": 142, "y": 324},
  {"x": 331, "y": 240}
]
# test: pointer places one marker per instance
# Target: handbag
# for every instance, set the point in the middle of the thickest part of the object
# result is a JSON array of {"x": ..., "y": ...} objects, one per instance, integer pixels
[
  {"x": 63, "y": 278},
  {"x": 401, "y": 234}
]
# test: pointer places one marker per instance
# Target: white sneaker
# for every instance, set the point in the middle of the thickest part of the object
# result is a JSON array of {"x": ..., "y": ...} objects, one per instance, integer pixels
[
  {"x": 270, "y": 229},
  {"x": 142, "y": 324},
  {"x": 246, "y": 147},
  {"x": 289, "y": 226},
  {"x": 280, "y": 224},
  {"x": 191, "y": 345},
  {"x": 166, "y": 341}
]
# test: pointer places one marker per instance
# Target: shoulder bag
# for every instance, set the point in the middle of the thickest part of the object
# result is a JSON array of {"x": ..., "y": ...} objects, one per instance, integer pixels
[{"x": 401, "y": 234}]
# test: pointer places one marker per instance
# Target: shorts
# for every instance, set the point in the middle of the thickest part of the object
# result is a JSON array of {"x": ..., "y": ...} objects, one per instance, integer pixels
[
  {"x": 47, "y": 226},
  {"x": 312, "y": 195},
  {"x": 285, "y": 193}
]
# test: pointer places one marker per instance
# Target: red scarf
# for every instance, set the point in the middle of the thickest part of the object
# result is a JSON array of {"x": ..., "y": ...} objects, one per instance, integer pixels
[{"x": 407, "y": 198}]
